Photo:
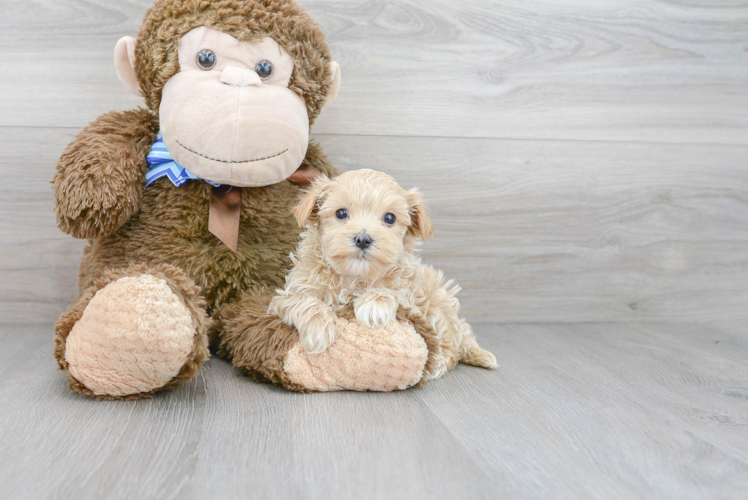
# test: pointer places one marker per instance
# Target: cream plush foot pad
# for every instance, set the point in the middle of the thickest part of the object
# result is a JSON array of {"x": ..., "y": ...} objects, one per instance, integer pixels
[
  {"x": 133, "y": 337},
  {"x": 382, "y": 359}
]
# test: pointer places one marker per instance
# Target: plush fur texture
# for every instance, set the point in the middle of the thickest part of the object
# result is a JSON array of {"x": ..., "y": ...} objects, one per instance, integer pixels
[
  {"x": 246, "y": 20},
  {"x": 164, "y": 224},
  {"x": 386, "y": 359},
  {"x": 227, "y": 124},
  {"x": 183, "y": 289},
  {"x": 333, "y": 270},
  {"x": 134, "y": 336},
  {"x": 262, "y": 346},
  {"x": 173, "y": 220},
  {"x": 100, "y": 194},
  {"x": 99, "y": 182},
  {"x": 159, "y": 234},
  {"x": 256, "y": 342}
]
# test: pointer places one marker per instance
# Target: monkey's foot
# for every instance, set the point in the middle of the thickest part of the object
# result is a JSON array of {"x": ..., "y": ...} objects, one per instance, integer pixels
[
  {"x": 136, "y": 335},
  {"x": 388, "y": 358}
]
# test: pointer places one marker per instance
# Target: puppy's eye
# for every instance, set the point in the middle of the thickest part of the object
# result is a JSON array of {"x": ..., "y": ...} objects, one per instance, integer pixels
[
  {"x": 264, "y": 69},
  {"x": 206, "y": 59},
  {"x": 389, "y": 218},
  {"x": 341, "y": 214}
]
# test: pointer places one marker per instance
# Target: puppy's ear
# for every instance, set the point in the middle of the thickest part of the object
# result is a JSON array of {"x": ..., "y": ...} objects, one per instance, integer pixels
[
  {"x": 308, "y": 204},
  {"x": 420, "y": 223}
]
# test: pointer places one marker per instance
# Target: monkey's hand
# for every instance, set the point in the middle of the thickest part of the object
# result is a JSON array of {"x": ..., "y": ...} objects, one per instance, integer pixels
[
  {"x": 375, "y": 308},
  {"x": 101, "y": 174}
]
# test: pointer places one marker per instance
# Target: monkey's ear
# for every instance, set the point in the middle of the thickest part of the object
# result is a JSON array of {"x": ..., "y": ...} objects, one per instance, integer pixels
[
  {"x": 124, "y": 61},
  {"x": 420, "y": 222},
  {"x": 335, "y": 85},
  {"x": 308, "y": 204}
]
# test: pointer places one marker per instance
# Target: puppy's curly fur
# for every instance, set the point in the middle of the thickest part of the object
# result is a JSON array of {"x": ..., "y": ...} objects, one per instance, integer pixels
[{"x": 361, "y": 247}]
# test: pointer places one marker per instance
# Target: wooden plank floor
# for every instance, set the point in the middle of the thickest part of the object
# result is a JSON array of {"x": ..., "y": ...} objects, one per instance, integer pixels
[{"x": 574, "y": 411}]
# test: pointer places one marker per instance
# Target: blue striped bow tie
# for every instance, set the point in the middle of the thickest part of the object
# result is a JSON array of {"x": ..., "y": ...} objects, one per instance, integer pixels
[{"x": 163, "y": 165}]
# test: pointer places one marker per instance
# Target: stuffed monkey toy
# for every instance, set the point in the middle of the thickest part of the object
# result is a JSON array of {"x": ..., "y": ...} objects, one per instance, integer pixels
[{"x": 186, "y": 206}]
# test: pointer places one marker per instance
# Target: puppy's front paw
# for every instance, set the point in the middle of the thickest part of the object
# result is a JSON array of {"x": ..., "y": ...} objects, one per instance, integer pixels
[
  {"x": 375, "y": 309},
  {"x": 317, "y": 333}
]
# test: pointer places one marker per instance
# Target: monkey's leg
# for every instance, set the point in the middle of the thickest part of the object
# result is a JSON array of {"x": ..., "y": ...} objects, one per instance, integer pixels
[
  {"x": 136, "y": 331},
  {"x": 377, "y": 359}
]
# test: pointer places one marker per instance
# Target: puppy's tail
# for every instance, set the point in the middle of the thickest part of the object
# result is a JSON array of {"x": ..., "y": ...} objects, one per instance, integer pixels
[{"x": 470, "y": 351}]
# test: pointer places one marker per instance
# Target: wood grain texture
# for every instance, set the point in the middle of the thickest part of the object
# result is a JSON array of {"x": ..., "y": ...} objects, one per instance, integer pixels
[
  {"x": 532, "y": 230},
  {"x": 574, "y": 411},
  {"x": 584, "y": 161},
  {"x": 638, "y": 212},
  {"x": 653, "y": 71}
]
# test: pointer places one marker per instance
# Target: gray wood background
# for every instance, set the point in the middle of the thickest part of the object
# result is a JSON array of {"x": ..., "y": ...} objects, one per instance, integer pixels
[
  {"x": 587, "y": 166},
  {"x": 585, "y": 160}
]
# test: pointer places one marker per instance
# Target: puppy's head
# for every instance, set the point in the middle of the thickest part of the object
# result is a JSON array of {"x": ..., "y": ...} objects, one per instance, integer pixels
[{"x": 365, "y": 221}]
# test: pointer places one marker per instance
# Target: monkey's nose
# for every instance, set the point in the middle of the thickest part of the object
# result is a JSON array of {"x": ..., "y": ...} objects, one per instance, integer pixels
[
  {"x": 240, "y": 77},
  {"x": 363, "y": 241}
]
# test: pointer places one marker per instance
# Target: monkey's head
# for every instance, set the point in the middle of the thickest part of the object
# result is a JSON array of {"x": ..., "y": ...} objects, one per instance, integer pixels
[{"x": 236, "y": 84}]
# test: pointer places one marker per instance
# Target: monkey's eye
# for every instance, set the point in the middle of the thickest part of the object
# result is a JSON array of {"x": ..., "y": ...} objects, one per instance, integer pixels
[
  {"x": 341, "y": 214},
  {"x": 389, "y": 218},
  {"x": 206, "y": 59},
  {"x": 264, "y": 69}
]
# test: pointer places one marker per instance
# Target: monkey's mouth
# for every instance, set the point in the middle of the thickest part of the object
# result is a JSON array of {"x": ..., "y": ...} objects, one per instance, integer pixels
[{"x": 230, "y": 161}]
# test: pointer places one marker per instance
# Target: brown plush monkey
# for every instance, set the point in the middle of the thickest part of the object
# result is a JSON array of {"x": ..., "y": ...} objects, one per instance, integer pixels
[{"x": 233, "y": 87}]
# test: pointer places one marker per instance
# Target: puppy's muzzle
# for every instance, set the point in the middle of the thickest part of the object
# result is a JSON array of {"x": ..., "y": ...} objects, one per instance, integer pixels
[{"x": 362, "y": 240}]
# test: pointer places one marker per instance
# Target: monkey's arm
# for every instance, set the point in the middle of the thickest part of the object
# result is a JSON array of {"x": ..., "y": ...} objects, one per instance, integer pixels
[{"x": 101, "y": 174}]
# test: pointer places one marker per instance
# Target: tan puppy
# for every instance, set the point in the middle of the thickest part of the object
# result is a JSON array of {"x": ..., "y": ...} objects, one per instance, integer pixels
[{"x": 360, "y": 247}]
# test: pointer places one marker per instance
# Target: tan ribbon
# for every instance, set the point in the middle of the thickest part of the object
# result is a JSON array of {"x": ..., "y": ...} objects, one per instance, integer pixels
[
  {"x": 226, "y": 206},
  {"x": 304, "y": 175},
  {"x": 225, "y": 211}
]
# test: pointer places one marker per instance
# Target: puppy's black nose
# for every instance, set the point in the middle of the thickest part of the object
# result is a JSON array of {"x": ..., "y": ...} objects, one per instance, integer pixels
[{"x": 363, "y": 241}]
